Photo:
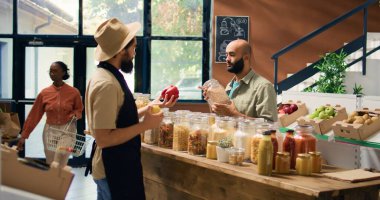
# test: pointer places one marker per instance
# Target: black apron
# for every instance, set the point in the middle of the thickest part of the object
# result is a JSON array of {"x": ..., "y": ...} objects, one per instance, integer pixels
[{"x": 122, "y": 163}]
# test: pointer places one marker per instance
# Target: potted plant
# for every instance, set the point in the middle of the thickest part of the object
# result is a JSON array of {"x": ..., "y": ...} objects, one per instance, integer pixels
[
  {"x": 222, "y": 149},
  {"x": 333, "y": 72}
]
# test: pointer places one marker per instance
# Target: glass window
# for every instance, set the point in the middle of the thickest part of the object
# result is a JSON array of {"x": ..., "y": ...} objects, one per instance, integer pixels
[
  {"x": 6, "y": 16},
  {"x": 91, "y": 67},
  {"x": 180, "y": 64},
  {"x": 97, "y": 11},
  {"x": 37, "y": 63},
  {"x": 48, "y": 17},
  {"x": 6, "y": 69},
  {"x": 34, "y": 147},
  {"x": 177, "y": 18}
]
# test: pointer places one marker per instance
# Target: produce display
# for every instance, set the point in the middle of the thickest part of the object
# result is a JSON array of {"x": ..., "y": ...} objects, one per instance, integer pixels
[
  {"x": 358, "y": 117},
  {"x": 287, "y": 108},
  {"x": 358, "y": 125},
  {"x": 323, "y": 112}
]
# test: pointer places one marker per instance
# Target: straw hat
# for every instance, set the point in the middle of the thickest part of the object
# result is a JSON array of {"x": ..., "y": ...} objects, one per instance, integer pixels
[{"x": 112, "y": 36}]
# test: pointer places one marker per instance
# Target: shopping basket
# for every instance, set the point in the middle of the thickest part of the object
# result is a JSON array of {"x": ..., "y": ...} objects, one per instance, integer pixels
[{"x": 66, "y": 139}]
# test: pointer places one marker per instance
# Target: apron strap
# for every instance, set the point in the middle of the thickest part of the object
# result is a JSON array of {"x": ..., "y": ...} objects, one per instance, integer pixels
[{"x": 89, "y": 162}]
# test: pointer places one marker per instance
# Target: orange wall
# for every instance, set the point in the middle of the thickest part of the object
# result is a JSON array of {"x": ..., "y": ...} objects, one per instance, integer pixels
[{"x": 275, "y": 24}]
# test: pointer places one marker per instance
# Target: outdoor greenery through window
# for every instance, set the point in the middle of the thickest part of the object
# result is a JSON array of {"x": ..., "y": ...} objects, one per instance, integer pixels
[
  {"x": 178, "y": 63},
  {"x": 96, "y": 11},
  {"x": 177, "y": 17}
]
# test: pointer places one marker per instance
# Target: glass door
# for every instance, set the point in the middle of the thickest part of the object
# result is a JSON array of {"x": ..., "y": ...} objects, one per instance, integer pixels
[{"x": 35, "y": 63}]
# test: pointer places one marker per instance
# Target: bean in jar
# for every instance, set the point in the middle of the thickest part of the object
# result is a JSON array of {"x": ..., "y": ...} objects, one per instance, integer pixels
[
  {"x": 197, "y": 142},
  {"x": 165, "y": 138}
]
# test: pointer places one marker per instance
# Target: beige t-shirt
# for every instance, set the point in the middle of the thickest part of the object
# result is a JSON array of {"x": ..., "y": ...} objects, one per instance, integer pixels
[{"x": 103, "y": 100}]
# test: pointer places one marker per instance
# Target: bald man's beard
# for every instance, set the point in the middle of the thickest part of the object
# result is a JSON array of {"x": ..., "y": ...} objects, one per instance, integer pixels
[
  {"x": 126, "y": 66},
  {"x": 237, "y": 67}
]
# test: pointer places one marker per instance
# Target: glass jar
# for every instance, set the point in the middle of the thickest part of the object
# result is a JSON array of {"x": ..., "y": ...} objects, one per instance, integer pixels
[
  {"x": 275, "y": 145},
  {"x": 181, "y": 131},
  {"x": 165, "y": 137},
  {"x": 265, "y": 156},
  {"x": 232, "y": 156},
  {"x": 197, "y": 141},
  {"x": 316, "y": 162},
  {"x": 305, "y": 140},
  {"x": 221, "y": 129},
  {"x": 282, "y": 163},
  {"x": 303, "y": 164},
  {"x": 151, "y": 135},
  {"x": 289, "y": 145},
  {"x": 255, "y": 140},
  {"x": 240, "y": 153},
  {"x": 211, "y": 150},
  {"x": 142, "y": 100},
  {"x": 216, "y": 92},
  {"x": 243, "y": 136},
  {"x": 211, "y": 119}
]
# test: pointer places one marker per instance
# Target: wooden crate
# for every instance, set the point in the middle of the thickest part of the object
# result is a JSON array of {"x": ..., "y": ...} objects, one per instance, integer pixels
[
  {"x": 285, "y": 119},
  {"x": 323, "y": 126},
  {"x": 357, "y": 131}
]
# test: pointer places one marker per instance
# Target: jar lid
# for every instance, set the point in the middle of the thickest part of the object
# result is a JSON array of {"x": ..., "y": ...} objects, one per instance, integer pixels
[
  {"x": 283, "y": 153},
  {"x": 317, "y": 153},
  {"x": 213, "y": 142},
  {"x": 303, "y": 155},
  {"x": 267, "y": 133},
  {"x": 290, "y": 131}
]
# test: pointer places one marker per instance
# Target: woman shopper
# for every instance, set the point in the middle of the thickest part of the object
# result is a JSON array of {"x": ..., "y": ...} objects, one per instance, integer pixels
[{"x": 63, "y": 105}]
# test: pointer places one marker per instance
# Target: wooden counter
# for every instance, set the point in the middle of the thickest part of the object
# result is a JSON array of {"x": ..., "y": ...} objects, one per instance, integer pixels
[{"x": 175, "y": 175}]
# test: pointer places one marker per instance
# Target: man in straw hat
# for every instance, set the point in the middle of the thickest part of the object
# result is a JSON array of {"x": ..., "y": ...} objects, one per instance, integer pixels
[{"x": 113, "y": 117}]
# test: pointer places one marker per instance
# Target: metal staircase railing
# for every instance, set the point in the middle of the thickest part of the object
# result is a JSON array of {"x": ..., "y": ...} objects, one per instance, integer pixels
[{"x": 309, "y": 71}]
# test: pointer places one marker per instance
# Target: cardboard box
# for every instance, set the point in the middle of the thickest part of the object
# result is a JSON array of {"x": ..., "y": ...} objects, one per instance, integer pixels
[
  {"x": 323, "y": 126},
  {"x": 285, "y": 119},
  {"x": 357, "y": 131},
  {"x": 53, "y": 182}
]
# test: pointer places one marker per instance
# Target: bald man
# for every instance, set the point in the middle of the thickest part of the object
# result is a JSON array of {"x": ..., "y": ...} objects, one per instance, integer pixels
[{"x": 252, "y": 95}]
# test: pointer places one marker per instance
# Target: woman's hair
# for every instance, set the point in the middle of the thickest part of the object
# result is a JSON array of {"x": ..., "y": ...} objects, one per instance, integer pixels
[{"x": 64, "y": 69}]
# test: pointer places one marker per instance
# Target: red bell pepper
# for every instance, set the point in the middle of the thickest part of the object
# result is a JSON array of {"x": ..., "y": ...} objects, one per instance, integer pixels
[{"x": 170, "y": 91}]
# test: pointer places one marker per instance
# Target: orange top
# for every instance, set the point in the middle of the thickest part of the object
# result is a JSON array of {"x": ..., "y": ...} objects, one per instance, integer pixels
[{"x": 60, "y": 105}]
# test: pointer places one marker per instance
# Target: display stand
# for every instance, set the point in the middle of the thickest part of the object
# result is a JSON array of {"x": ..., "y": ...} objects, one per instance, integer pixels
[{"x": 339, "y": 151}]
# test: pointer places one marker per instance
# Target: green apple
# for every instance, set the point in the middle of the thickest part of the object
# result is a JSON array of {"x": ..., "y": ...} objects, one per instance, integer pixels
[
  {"x": 320, "y": 108},
  {"x": 330, "y": 111},
  {"x": 323, "y": 115}
]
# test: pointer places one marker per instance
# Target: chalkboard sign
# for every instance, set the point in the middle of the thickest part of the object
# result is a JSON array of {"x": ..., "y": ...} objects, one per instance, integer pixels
[{"x": 229, "y": 28}]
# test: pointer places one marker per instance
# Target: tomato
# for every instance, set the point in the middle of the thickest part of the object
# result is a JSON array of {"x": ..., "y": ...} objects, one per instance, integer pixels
[{"x": 171, "y": 90}]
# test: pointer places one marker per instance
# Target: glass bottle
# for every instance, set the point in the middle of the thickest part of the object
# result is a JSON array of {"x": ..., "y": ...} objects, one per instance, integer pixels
[
  {"x": 211, "y": 150},
  {"x": 165, "y": 137},
  {"x": 255, "y": 140},
  {"x": 181, "y": 131},
  {"x": 265, "y": 156},
  {"x": 305, "y": 140},
  {"x": 303, "y": 164},
  {"x": 359, "y": 102},
  {"x": 282, "y": 163},
  {"x": 289, "y": 145},
  {"x": 316, "y": 162},
  {"x": 275, "y": 145},
  {"x": 197, "y": 141}
]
